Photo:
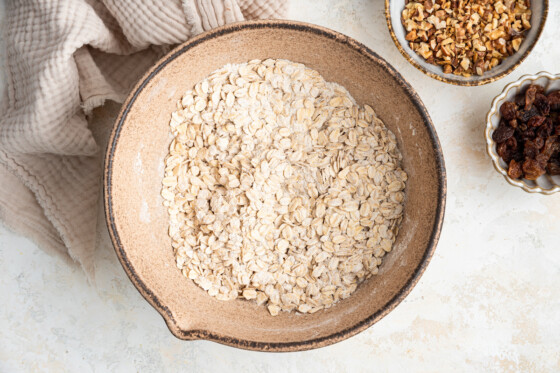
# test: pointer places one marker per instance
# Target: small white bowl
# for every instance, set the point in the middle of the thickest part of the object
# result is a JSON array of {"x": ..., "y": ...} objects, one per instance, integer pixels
[
  {"x": 546, "y": 184},
  {"x": 393, "y": 10}
]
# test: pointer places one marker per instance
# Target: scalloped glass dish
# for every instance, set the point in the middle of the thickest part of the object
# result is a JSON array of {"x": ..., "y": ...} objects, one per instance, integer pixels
[{"x": 545, "y": 184}]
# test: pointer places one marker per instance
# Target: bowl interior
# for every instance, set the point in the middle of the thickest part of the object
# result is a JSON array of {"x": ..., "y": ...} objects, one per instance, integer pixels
[
  {"x": 538, "y": 18},
  {"x": 138, "y": 221},
  {"x": 546, "y": 183}
]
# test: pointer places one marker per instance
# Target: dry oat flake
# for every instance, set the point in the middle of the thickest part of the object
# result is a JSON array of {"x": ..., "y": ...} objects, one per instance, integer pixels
[{"x": 280, "y": 189}]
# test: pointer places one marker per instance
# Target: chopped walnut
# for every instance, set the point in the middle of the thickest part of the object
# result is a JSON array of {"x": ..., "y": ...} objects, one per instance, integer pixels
[{"x": 466, "y": 37}]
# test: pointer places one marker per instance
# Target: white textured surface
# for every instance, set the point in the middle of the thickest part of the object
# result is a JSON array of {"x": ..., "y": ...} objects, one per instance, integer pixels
[{"x": 489, "y": 300}]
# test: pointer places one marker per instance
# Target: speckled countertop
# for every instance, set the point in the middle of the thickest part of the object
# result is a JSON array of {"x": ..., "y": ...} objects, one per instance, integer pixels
[{"x": 489, "y": 300}]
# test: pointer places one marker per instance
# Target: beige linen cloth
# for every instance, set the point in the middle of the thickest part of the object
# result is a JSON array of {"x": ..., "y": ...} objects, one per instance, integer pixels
[{"x": 64, "y": 58}]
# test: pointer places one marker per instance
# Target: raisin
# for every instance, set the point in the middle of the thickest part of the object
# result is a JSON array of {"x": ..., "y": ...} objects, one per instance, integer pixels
[
  {"x": 504, "y": 152},
  {"x": 536, "y": 121},
  {"x": 514, "y": 169},
  {"x": 519, "y": 99},
  {"x": 513, "y": 123},
  {"x": 529, "y": 134},
  {"x": 531, "y": 149},
  {"x": 518, "y": 155},
  {"x": 542, "y": 159},
  {"x": 554, "y": 100},
  {"x": 512, "y": 143},
  {"x": 502, "y": 133},
  {"x": 540, "y": 89},
  {"x": 509, "y": 150},
  {"x": 541, "y": 103},
  {"x": 545, "y": 129},
  {"x": 553, "y": 167},
  {"x": 525, "y": 115},
  {"x": 539, "y": 142},
  {"x": 530, "y": 95},
  {"x": 532, "y": 169},
  {"x": 551, "y": 146},
  {"x": 508, "y": 110}
]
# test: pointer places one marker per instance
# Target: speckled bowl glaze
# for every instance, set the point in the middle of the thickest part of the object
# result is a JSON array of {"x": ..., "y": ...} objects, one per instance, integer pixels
[
  {"x": 545, "y": 184},
  {"x": 393, "y": 10},
  {"x": 138, "y": 222}
]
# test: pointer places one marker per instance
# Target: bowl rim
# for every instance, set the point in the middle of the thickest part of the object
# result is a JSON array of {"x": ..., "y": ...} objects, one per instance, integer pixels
[
  {"x": 489, "y": 129},
  {"x": 145, "y": 290},
  {"x": 450, "y": 80}
]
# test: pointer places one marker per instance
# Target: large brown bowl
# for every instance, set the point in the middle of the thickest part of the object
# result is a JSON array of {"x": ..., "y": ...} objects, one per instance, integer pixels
[{"x": 138, "y": 221}]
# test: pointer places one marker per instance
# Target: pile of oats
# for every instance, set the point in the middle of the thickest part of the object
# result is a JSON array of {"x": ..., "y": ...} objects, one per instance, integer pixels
[
  {"x": 466, "y": 37},
  {"x": 280, "y": 189}
]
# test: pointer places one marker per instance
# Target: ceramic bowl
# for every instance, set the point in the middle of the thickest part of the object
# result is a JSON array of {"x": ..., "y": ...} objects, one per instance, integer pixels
[
  {"x": 138, "y": 222},
  {"x": 545, "y": 184},
  {"x": 393, "y": 10}
]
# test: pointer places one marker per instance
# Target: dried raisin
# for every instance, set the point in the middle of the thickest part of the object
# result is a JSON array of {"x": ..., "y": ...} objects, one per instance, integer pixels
[
  {"x": 553, "y": 167},
  {"x": 532, "y": 170},
  {"x": 539, "y": 142},
  {"x": 554, "y": 100},
  {"x": 531, "y": 149},
  {"x": 542, "y": 160},
  {"x": 555, "y": 117},
  {"x": 508, "y": 110},
  {"x": 541, "y": 103},
  {"x": 551, "y": 146},
  {"x": 504, "y": 152},
  {"x": 525, "y": 115},
  {"x": 512, "y": 143},
  {"x": 536, "y": 121},
  {"x": 514, "y": 170},
  {"x": 519, "y": 99},
  {"x": 502, "y": 133},
  {"x": 528, "y": 135},
  {"x": 508, "y": 150},
  {"x": 530, "y": 95},
  {"x": 545, "y": 129}
]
